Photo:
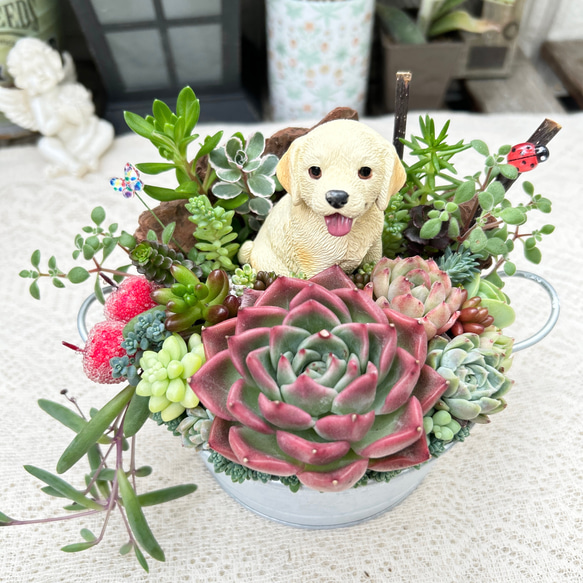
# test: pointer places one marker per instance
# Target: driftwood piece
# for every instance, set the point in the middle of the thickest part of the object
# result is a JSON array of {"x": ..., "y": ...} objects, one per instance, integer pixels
[
  {"x": 279, "y": 142},
  {"x": 547, "y": 130},
  {"x": 401, "y": 110}
]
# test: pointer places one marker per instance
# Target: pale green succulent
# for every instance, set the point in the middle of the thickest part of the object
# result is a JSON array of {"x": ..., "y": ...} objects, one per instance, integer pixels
[
  {"x": 496, "y": 348},
  {"x": 165, "y": 375},
  {"x": 195, "y": 428},
  {"x": 475, "y": 387},
  {"x": 246, "y": 178},
  {"x": 441, "y": 424},
  {"x": 243, "y": 278}
]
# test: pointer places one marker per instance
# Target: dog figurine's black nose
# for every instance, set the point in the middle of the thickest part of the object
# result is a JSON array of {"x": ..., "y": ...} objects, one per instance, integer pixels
[{"x": 337, "y": 198}]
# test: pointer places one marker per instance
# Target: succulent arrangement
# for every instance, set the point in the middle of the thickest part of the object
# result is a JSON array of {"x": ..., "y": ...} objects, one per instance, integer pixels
[{"x": 320, "y": 383}]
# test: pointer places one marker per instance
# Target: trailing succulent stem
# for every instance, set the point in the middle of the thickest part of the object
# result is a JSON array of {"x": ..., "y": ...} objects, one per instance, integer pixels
[{"x": 103, "y": 439}]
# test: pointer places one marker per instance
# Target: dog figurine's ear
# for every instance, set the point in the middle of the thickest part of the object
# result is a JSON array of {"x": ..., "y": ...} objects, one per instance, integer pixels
[
  {"x": 284, "y": 172},
  {"x": 396, "y": 177}
]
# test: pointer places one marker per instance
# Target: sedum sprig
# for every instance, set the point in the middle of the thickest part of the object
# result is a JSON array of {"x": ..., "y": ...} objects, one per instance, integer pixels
[
  {"x": 214, "y": 233},
  {"x": 99, "y": 240}
]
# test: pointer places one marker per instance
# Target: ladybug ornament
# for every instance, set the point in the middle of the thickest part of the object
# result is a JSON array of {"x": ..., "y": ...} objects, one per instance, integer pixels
[{"x": 525, "y": 157}]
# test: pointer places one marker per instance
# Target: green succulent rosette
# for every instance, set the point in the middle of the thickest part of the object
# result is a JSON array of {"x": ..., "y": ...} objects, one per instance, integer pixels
[{"x": 475, "y": 384}]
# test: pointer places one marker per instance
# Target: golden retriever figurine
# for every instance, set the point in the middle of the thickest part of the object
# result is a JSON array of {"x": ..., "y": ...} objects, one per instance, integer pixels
[{"x": 339, "y": 178}]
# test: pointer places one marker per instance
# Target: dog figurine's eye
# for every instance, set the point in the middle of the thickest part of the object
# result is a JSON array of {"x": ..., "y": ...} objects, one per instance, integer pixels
[
  {"x": 365, "y": 172},
  {"x": 315, "y": 172}
]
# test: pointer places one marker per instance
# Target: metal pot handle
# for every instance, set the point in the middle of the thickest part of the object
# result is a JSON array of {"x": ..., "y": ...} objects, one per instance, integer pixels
[
  {"x": 534, "y": 339},
  {"x": 553, "y": 317},
  {"x": 82, "y": 315}
]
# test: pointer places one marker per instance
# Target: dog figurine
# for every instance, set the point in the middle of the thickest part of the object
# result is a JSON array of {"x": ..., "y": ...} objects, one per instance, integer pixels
[{"x": 339, "y": 178}]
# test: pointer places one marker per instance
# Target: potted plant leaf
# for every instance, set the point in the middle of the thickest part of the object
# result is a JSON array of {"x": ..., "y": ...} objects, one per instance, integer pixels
[{"x": 425, "y": 45}]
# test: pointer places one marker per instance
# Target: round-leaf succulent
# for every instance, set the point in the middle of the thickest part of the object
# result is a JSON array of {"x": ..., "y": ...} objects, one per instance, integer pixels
[{"x": 165, "y": 375}]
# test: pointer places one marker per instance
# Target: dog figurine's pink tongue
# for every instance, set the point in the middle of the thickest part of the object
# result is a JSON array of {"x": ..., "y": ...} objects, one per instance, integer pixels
[{"x": 338, "y": 225}]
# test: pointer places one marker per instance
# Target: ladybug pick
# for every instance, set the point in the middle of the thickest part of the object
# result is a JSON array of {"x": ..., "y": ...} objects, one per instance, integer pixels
[{"x": 525, "y": 157}]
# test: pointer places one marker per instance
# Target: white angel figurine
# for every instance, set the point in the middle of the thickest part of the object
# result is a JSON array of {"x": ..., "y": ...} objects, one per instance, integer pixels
[{"x": 46, "y": 100}]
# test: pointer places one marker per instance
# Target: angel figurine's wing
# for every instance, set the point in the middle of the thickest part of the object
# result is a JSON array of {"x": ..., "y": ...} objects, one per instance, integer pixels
[
  {"x": 69, "y": 69},
  {"x": 15, "y": 106}
]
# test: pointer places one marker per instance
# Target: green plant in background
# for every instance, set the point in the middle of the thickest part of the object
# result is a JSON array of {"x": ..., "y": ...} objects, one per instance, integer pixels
[
  {"x": 94, "y": 240},
  {"x": 434, "y": 18},
  {"x": 171, "y": 133}
]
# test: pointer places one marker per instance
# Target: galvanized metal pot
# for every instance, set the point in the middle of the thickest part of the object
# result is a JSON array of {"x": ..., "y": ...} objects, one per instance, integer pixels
[{"x": 310, "y": 509}]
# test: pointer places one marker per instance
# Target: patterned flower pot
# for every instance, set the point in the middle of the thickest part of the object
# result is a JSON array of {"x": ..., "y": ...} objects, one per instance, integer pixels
[{"x": 319, "y": 56}]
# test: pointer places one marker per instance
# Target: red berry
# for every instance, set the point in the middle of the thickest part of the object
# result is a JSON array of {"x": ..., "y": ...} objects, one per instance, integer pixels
[
  {"x": 103, "y": 343},
  {"x": 131, "y": 298}
]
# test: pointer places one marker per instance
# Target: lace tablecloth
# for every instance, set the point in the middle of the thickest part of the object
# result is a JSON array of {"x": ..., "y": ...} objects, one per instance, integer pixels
[{"x": 507, "y": 505}]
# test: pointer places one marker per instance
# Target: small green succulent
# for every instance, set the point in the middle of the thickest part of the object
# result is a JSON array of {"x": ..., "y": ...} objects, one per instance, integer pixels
[
  {"x": 165, "y": 375},
  {"x": 195, "y": 428},
  {"x": 190, "y": 301},
  {"x": 243, "y": 278},
  {"x": 441, "y": 424},
  {"x": 154, "y": 259},
  {"x": 461, "y": 266},
  {"x": 493, "y": 299},
  {"x": 246, "y": 179},
  {"x": 215, "y": 248}
]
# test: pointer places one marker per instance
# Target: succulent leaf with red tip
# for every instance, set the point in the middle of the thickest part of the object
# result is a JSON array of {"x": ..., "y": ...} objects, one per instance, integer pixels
[
  {"x": 315, "y": 380},
  {"x": 419, "y": 289},
  {"x": 132, "y": 297}
]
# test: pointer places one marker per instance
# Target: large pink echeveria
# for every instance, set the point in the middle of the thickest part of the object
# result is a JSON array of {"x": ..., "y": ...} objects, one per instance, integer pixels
[{"x": 314, "y": 379}]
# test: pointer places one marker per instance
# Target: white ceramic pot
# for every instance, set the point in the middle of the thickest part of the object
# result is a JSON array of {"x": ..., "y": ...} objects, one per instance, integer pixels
[{"x": 318, "y": 56}]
